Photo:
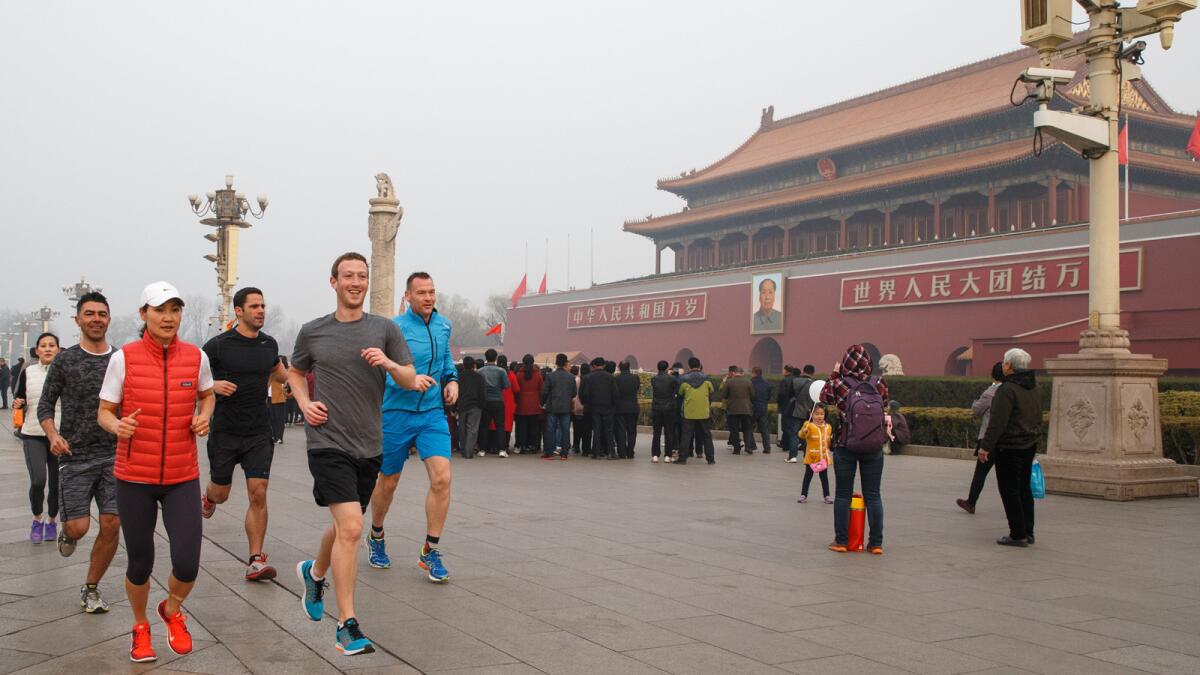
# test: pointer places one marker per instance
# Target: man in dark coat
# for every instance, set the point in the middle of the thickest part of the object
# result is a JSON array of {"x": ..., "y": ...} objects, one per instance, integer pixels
[
  {"x": 558, "y": 398},
  {"x": 783, "y": 405},
  {"x": 761, "y": 398},
  {"x": 1011, "y": 442},
  {"x": 628, "y": 385},
  {"x": 738, "y": 394},
  {"x": 5, "y": 382},
  {"x": 664, "y": 413},
  {"x": 599, "y": 394}
]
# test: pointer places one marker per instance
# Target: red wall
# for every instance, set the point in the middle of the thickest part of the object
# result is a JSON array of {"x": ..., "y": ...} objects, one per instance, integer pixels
[{"x": 817, "y": 331}]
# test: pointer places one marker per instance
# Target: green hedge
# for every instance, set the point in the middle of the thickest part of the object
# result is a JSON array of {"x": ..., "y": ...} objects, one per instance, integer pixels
[
  {"x": 1179, "y": 403},
  {"x": 957, "y": 428}
]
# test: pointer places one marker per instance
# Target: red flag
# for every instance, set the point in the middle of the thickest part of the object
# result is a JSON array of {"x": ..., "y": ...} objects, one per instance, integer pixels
[
  {"x": 521, "y": 288},
  {"x": 1123, "y": 145},
  {"x": 1193, "y": 146},
  {"x": 494, "y": 330},
  {"x": 542, "y": 286}
]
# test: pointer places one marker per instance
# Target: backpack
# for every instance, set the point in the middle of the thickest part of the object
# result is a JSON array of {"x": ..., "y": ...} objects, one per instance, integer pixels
[
  {"x": 863, "y": 432},
  {"x": 802, "y": 402}
]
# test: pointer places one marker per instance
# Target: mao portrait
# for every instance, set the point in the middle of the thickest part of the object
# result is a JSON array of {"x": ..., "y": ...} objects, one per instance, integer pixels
[{"x": 766, "y": 303}]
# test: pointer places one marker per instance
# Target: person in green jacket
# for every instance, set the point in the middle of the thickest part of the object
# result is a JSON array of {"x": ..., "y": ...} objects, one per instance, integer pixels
[{"x": 697, "y": 392}]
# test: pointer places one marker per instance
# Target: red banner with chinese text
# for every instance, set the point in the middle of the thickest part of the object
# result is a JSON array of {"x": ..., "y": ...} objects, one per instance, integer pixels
[
  {"x": 1039, "y": 277},
  {"x": 637, "y": 311}
]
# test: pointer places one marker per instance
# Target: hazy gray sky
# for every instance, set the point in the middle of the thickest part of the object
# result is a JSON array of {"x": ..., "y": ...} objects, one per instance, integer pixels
[{"x": 500, "y": 123}]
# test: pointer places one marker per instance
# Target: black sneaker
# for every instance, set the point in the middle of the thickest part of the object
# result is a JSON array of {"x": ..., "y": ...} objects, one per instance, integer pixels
[{"x": 1009, "y": 541}]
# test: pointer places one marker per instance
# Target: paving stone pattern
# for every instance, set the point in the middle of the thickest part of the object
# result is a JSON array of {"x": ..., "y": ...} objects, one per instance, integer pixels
[{"x": 630, "y": 567}]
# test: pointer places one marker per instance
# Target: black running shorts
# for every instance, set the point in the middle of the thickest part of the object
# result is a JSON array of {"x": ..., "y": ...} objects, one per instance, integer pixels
[
  {"x": 339, "y": 478},
  {"x": 226, "y": 451}
]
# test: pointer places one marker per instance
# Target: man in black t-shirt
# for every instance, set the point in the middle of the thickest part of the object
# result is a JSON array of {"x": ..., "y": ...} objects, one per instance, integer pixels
[{"x": 243, "y": 360}]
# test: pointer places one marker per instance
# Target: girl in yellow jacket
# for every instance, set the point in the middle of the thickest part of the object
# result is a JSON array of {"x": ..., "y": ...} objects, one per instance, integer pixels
[{"x": 816, "y": 432}]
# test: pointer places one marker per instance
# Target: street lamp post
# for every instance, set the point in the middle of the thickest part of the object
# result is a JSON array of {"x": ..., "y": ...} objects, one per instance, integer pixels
[
  {"x": 76, "y": 291},
  {"x": 229, "y": 209},
  {"x": 45, "y": 315},
  {"x": 1105, "y": 436}
]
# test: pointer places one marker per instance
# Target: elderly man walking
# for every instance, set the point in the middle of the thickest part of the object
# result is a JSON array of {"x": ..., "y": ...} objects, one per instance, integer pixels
[
  {"x": 1011, "y": 442},
  {"x": 738, "y": 394}
]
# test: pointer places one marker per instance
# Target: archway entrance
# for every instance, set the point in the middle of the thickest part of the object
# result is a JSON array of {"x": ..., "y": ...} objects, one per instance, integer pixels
[
  {"x": 873, "y": 352},
  {"x": 683, "y": 355},
  {"x": 956, "y": 364},
  {"x": 768, "y": 355},
  {"x": 633, "y": 362}
]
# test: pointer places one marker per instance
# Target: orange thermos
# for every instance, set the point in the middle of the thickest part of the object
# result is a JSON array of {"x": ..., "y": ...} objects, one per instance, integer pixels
[{"x": 858, "y": 516}]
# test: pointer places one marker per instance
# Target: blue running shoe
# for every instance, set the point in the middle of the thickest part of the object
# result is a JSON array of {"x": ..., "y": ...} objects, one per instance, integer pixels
[
  {"x": 351, "y": 641},
  {"x": 432, "y": 562},
  {"x": 378, "y": 557},
  {"x": 314, "y": 591}
]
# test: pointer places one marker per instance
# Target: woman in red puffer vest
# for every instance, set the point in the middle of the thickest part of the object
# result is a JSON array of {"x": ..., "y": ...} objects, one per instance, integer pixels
[{"x": 163, "y": 388}]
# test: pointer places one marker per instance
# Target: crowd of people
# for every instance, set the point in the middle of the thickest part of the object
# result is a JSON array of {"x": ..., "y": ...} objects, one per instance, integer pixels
[{"x": 118, "y": 427}]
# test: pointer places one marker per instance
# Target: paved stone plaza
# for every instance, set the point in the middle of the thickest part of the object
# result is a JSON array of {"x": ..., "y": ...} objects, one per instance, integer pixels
[{"x": 632, "y": 567}]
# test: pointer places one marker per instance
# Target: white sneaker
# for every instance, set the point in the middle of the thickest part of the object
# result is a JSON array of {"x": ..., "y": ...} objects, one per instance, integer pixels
[
  {"x": 793, "y": 460},
  {"x": 480, "y": 453},
  {"x": 503, "y": 453},
  {"x": 654, "y": 460},
  {"x": 516, "y": 451}
]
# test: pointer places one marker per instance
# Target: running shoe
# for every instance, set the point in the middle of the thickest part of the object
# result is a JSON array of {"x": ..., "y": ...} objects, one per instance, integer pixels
[
  {"x": 838, "y": 548},
  {"x": 875, "y": 550},
  {"x": 36, "y": 532},
  {"x": 50, "y": 532},
  {"x": 140, "y": 649},
  {"x": 377, "y": 553},
  {"x": 91, "y": 600},
  {"x": 432, "y": 563},
  {"x": 503, "y": 453},
  {"x": 257, "y": 568},
  {"x": 207, "y": 508},
  {"x": 65, "y": 546},
  {"x": 654, "y": 459},
  {"x": 313, "y": 599},
  {"x": 178, "y": 637},
  {"x": 351, "y": 641},
  {"x": 803, "y": 499},
  {"x": 480, "y": 453},
  {"x": 828, "y": 499}
]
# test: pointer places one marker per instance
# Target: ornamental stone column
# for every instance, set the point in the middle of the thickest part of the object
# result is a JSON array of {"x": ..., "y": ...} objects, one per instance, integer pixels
[{"x": 383, "y": 222}]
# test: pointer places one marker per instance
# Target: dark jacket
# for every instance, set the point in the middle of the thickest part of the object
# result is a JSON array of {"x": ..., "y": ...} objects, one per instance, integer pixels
[
  {"x": 599, "y": 392},
  {"x": 5, "y": 375},
  {"x": 471, "y": 390},
  {"x": 1016, "y": 422},
  {"x": 558, "y": 392},
  {"x": 761, "y": 397},
  {"x": 784, "y": 394},
  {"x": 664, "y": 388},
  {"x": 737, "y": 392},
  {"x": 628, "y": 385}
]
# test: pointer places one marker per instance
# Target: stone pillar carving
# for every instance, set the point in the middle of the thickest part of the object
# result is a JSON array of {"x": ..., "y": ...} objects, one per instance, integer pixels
[{"x": 383, "y": 222}]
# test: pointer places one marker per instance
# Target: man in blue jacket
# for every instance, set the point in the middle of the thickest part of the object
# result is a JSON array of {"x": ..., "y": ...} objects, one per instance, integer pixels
[{"x": 415, "y": 418}]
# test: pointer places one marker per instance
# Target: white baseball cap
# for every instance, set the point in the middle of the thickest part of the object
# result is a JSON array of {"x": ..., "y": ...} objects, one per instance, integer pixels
[{"x": 158, "y": 293}]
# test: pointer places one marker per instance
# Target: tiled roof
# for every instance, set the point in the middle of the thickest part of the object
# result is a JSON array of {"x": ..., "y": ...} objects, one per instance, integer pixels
[{"x": 965, "y": 92}]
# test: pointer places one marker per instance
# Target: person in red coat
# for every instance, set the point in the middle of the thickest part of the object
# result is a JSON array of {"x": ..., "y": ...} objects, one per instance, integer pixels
[
  {"x": 163, "y": 390},
  {"x": 529, "y": 404}
]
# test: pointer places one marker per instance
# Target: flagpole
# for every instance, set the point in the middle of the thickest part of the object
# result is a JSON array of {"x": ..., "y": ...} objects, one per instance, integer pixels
[
  {"x": 569, "y": 286},
  {"x": 592, "y": 256},
  {"x": 546, "y": 265}
]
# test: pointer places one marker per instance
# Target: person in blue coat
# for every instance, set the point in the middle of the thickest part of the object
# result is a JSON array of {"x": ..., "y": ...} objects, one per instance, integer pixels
[{"x": 418, "y": 419}]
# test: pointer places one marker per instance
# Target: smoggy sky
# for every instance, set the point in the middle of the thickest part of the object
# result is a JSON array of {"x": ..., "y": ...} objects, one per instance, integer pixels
[{"x": 501, "y": 124}]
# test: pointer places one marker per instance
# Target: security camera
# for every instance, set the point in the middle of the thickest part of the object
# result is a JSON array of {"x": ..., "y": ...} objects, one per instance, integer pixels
[
  {"x": 1133, "y": 53},
  {"x": 1052, "y": 76}
]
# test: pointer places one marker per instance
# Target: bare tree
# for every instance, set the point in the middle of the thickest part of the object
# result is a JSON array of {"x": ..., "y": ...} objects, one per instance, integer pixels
[{"x": 199, "y": 322}]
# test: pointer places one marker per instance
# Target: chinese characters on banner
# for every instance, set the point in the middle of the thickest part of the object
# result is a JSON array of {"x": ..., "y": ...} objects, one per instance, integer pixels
[
  {"x": 1052, "y": 276},
  {"x": 636, "y": 311}
]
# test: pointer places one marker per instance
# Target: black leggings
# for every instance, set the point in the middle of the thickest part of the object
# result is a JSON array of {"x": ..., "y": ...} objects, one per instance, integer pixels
[
  {"x": 137, "y": 504},
  {"x": 43, "y": 472}
]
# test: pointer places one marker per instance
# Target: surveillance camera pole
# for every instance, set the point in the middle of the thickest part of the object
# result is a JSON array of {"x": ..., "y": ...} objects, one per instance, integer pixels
[
  {"x": 230, "y": 208},
  {"x": 1105, "y": 436}
]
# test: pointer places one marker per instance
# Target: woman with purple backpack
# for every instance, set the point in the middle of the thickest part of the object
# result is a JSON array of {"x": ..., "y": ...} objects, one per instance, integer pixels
[{"x": 862, "y": 401}]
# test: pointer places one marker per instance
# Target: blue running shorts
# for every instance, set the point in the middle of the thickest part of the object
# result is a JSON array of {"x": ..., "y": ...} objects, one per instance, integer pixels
[{"x": 428, "y": 430}]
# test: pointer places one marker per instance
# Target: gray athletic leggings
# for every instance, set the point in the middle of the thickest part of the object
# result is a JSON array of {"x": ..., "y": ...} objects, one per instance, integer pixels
[
  {"x": 43, "y": 471},
  {"x": 137, "y": 504}
]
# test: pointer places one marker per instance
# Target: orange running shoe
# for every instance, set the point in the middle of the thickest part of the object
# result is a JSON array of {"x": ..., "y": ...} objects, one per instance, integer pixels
[
  {"x": 140, "y": 650},
  {"x": 876, "y": 550},
  {"x": 178, "y": 637}
]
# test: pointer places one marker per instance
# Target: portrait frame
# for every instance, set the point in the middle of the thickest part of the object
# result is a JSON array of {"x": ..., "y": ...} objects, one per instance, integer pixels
[{"x": 772, "y": 322}]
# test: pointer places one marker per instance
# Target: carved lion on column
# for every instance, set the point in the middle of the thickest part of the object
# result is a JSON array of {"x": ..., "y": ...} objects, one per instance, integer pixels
[{"x": 890, "y": 365}]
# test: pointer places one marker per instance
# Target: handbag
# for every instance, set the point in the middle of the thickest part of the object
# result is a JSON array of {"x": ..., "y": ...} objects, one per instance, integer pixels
[
  {"x": 1037, "y": 481},
  {"x": 820, "y": 466}
]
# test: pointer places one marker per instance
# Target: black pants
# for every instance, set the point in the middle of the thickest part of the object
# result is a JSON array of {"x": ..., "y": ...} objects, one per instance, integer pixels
[
  {"x": 603, "y": 438},
  {"x": 493, "y": 412},
  {"x": 137, "y": 504},
  {"x": 278, "y": 418},
  {"x": 1014, "y": 468},
  {"x": 583, "y": 433},
  {"x": 626, "y": 433},
  {"x": 527, "y": 432},
  {"x": 808, "y": 475},
  {"x": 764, "y": 430},
  {"x": 740, "y": 431},
  {"x": 43, "y": 471},
  {"x": 700, "y": 432},
  {"x": 664, "y": 423},
  {"x": 977, "y": 480}
]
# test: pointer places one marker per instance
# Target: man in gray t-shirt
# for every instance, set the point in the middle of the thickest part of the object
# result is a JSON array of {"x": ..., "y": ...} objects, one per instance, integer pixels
[
  {"x": 349, "y": 353},
  {"x": 349, "y": 386}
]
